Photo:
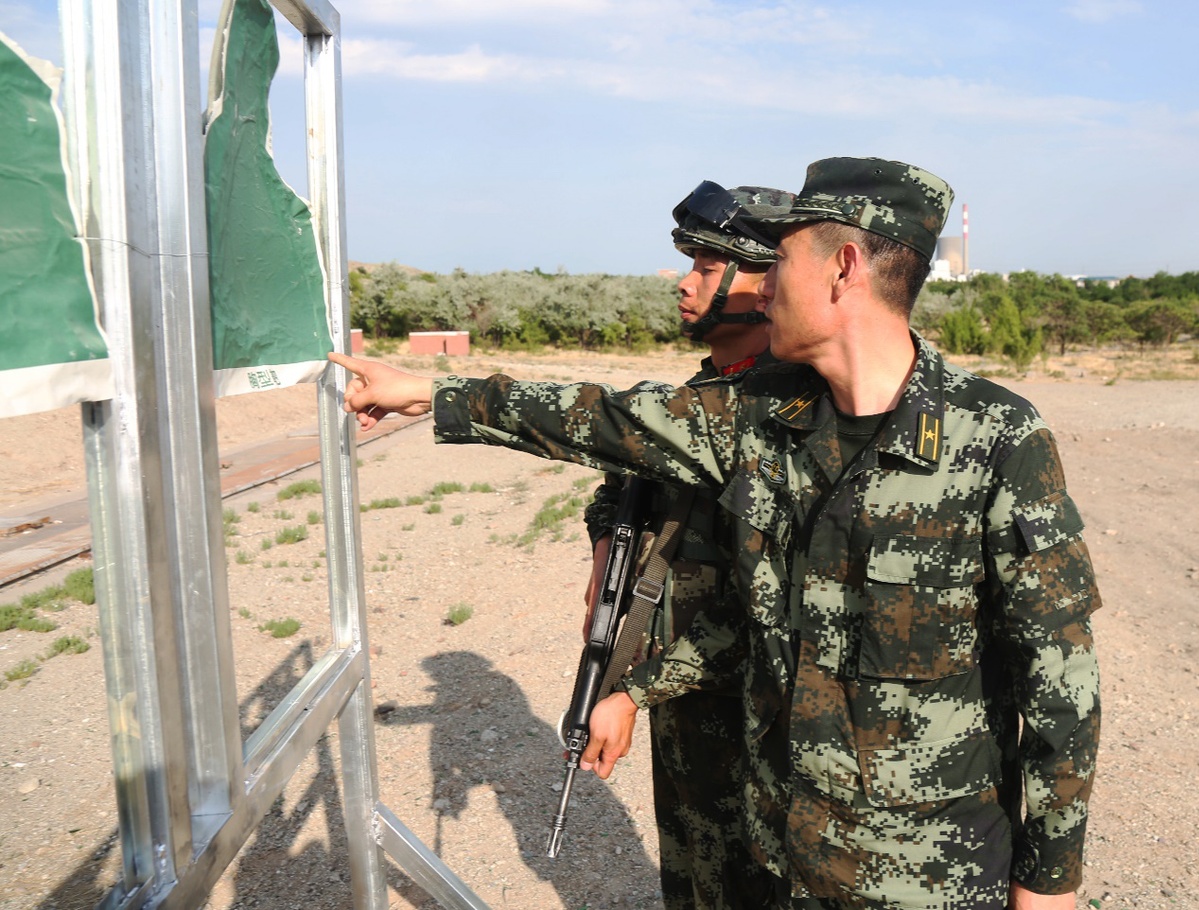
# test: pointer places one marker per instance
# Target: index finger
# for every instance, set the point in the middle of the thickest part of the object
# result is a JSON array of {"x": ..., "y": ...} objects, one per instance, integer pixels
[{"x": 353, "y": 364}]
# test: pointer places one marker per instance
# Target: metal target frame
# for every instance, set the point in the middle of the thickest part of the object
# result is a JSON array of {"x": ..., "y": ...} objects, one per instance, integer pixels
[{"x": 189, "y": 791}]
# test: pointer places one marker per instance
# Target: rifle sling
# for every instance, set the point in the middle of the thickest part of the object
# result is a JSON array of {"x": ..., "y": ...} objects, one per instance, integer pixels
[{"x": 648, "y": 591}]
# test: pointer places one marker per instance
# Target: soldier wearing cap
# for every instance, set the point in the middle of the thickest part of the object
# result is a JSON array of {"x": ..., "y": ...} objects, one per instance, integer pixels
[
  {"x": 918, "y": 651},
  {"x": 696, "y": 739}
]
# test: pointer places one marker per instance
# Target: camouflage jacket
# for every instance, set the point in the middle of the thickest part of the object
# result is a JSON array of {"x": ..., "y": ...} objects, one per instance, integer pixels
[
  {"x": 698, "y": 580},
  {"x": 903, "y": 617}
]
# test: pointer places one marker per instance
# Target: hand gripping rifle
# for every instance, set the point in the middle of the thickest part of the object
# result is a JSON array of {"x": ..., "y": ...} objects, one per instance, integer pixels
[{"x": 597, "y": 672}]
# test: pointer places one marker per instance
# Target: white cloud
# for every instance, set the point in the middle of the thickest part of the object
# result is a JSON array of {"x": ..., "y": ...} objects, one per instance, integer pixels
[
  {"x": 424, "y": 12},
  {"x": 1102, "y": 10},
  {"x": 395, "y": 59}
]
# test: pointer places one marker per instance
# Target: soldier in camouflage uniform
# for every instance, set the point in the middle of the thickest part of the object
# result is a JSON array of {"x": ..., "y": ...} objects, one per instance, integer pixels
[
  {"x": 918, "y": 590},
  {"x": 696, "y": 739}
]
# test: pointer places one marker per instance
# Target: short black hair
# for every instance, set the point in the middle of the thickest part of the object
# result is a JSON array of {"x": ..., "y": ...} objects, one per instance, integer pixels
[{"x": 897, "y": 271}]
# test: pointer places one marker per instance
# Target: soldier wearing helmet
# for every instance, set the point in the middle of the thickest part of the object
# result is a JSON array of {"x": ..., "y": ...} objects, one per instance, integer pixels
[{"x": 696, "y": 739}]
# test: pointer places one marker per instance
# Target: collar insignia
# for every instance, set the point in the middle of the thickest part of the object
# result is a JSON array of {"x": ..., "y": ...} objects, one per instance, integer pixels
[{"x": 794, "y": 408}]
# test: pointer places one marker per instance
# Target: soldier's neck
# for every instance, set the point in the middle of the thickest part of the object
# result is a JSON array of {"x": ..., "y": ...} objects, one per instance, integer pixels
[
  {"x": 739, "y": 346},
  {"x": 867, "y": 372}
]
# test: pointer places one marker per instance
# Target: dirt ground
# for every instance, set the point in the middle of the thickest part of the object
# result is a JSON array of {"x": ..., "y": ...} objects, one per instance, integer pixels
[{"x": 465, "y": 713}]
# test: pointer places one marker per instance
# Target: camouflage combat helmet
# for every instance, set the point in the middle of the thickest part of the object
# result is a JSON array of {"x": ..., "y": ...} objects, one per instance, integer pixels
[
  {"x": 899, "y": 201},
  {"x": 710, "y": 218}
]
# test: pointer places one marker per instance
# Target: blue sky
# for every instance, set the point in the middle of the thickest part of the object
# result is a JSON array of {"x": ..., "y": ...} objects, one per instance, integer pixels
[{"x": 560, "y": 133}]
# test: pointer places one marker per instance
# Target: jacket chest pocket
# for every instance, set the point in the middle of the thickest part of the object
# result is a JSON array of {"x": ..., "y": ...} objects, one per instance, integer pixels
[
  {"x": 762, "y": 522},
  {"x": 921, "y": 607}
]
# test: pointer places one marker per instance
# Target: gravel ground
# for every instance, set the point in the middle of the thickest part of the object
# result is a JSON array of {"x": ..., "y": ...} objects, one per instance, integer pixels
[{"x": 465, "y": 713}]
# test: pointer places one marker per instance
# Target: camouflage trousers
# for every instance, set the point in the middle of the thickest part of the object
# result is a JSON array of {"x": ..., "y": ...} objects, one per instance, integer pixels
[{"x": 697, "y": 772}]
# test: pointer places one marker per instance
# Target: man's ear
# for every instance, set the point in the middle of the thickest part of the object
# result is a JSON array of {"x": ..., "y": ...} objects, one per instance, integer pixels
[{"x": 851, "y": 267}]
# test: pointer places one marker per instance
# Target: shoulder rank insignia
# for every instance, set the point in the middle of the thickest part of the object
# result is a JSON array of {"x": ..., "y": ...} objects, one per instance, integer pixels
[
  {"x": 928, "y": 442},
  {"x": 772, "y": 469}
]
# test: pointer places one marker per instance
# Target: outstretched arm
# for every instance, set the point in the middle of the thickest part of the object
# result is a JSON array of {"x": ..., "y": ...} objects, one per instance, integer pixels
[{"x": 377, "y": 388}]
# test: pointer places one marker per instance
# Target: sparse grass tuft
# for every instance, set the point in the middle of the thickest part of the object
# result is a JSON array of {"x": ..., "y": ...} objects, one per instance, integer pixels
[
  {"x": 283, "y": 515},
  {"x": 300, "y": 488},
  {"x": 252, "y": 507},
  {"x": 80, "y": 585},
  {"x": 391, "y": 502},
  {"x": 291, "y": 535},
  {"x": 281, "y": 628},
  {"x": 314, "y": 518},
  {"x": 444, "y": 487},
  {"x": 23, "y": 670},
  {"x": 458, "y": 614},
  {"x": 457, "y": 520},
  {"x": 243, "y": 558},
  {"x": 433, "y": 508},
  {"x": 482, "y": 488},
  {"x": 67, "y": 644}
]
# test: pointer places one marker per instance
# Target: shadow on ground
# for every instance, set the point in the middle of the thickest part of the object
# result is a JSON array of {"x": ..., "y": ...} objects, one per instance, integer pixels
[{"x": 274, "y": 870}]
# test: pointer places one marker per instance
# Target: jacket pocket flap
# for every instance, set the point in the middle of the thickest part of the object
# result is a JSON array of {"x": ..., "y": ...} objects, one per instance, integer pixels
[
  {"x": 938, "y": 562},
  {"x": 929, "y": 772},
  {"x": 1048, "y": 522},
  {"x": 755, "y": 503}
]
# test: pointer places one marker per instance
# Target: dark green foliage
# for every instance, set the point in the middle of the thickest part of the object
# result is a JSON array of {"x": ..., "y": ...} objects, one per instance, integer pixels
[
  {"x": 1017, "y": 317},
  {"x": 963, "y": 332}
]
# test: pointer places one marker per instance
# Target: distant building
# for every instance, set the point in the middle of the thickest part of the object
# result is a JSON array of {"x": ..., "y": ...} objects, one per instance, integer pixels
[
  {"x": 672, "y": 274},
  {"x": 949, "y": 250}
]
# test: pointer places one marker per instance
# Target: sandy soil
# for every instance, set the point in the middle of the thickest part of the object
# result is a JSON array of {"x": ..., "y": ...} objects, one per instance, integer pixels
[{"x": 467, "y": 757}]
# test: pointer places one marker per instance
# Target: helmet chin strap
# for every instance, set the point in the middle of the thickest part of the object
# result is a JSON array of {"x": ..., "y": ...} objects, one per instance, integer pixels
[{"x": 716, "y": 315}]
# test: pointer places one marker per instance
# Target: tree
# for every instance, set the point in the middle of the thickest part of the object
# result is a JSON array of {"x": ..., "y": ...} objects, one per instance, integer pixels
[
  {"x": 1011, "y": 336},
  {"x": 1160, "y": 322},
  {"x": 962, "y": 332}
]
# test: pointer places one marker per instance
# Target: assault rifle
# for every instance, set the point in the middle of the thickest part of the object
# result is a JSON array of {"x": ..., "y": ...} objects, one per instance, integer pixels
[{"x": 616, "y": 593}]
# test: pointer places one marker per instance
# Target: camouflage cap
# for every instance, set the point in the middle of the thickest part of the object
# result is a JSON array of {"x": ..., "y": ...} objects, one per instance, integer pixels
[
  {"x": 895, "y": 200},
  {"x": 709, "y": 218}
]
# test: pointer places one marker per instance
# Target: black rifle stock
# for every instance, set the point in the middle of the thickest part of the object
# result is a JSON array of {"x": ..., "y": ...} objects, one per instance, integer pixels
[{"x": 611, "y": 605}]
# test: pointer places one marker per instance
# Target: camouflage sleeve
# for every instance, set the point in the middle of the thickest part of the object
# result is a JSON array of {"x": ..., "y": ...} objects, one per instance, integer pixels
[
  {"x": 600, "y": 514},
  {"x": 706, "y": 656},
  {"x": 1041, "y": 576},
  {"x": 686, "y": 435}
]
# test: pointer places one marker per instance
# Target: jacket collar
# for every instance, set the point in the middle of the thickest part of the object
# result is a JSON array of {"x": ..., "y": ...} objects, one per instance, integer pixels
[{"x": 914, "y": 431}]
